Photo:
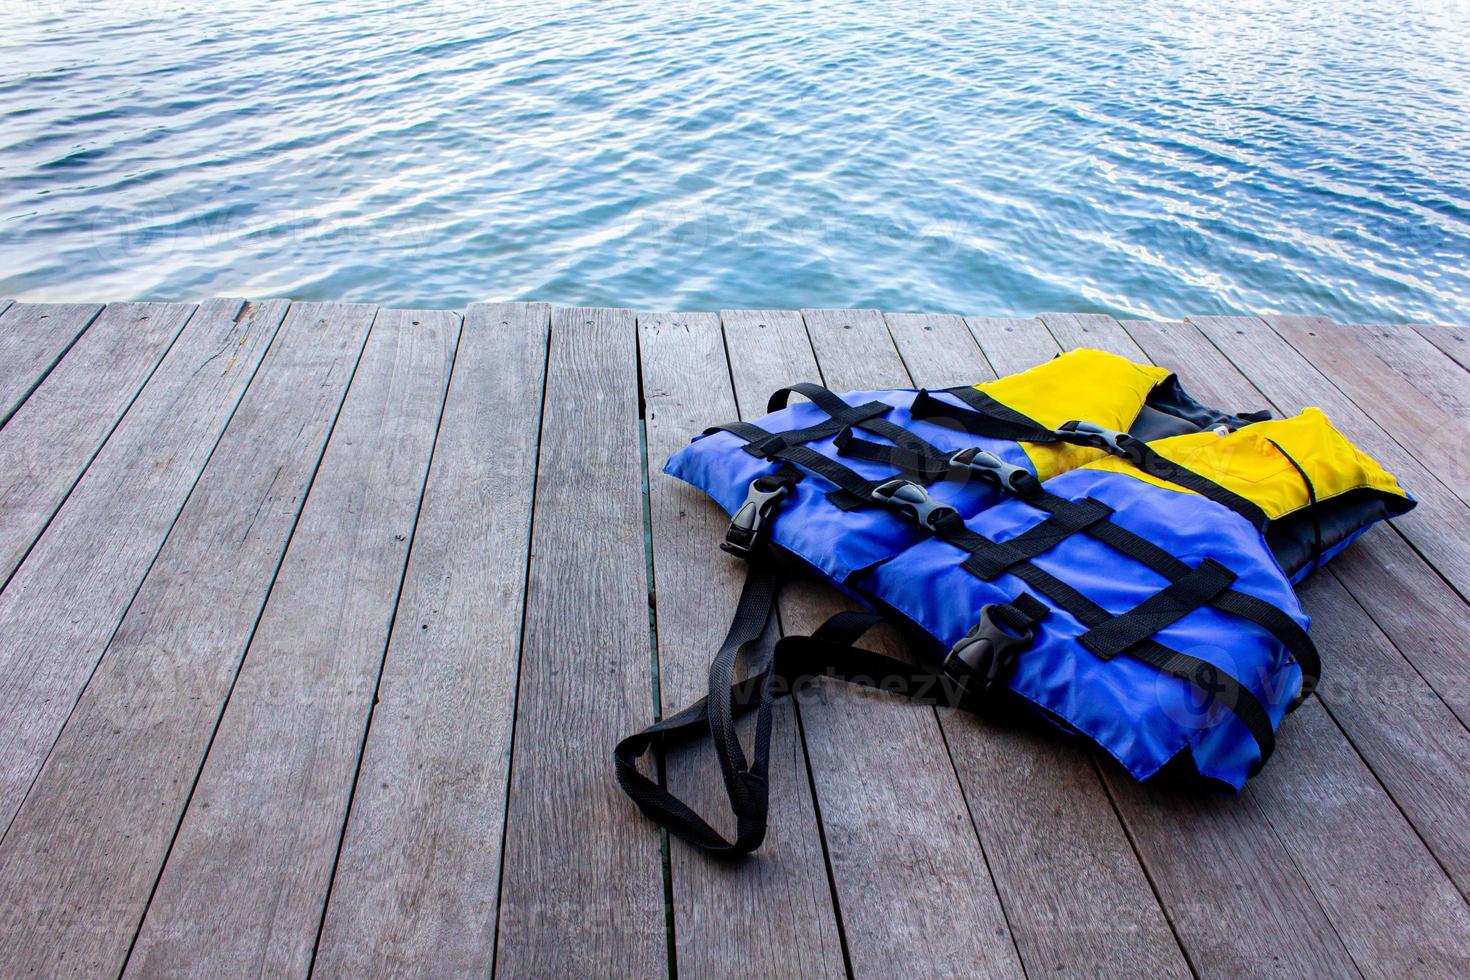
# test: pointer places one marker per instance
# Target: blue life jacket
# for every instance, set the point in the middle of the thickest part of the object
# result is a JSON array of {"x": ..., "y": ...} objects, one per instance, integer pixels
[{"x": 1083, "y": 538}]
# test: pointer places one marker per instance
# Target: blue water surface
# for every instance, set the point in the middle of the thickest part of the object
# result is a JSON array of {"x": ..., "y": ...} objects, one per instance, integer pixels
[{"x": 1137, "y": 157}]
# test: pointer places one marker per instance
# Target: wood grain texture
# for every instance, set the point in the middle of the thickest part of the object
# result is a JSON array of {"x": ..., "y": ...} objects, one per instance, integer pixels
[
  {"x": 33, "y": 337},
  {"x": 937, "y": 349},
  {"x": 874, "y": 756},
  {"x": 1093, "y": 330},
  {"x": 1439, "y": 526},
  {"x": 244, "y": 884},
  {"x": 1453, "y": 341},
  {"x": 78, "y": 863},
  {"x": 1418, "y": 364},
  {"x": 279, "y": 599},
  {"x": 1390, "y": 902},
  {"x": 63, "y": 604},
  {"x": 47, "y": 444},
  {"x": 1015, "y": 347},
  {"x": 1425, "y": 619},
  {"x": 585, "y": 679},
  {"x": 783, "y": 894},
  {"x": 1012, "y": 344},
  {"x": 415, "y": 889},
  {"x": 1076, "y": 898},
  {"x": 1437, "y": 438},
  {"x": 1414, "y": 744},
  {"x": 1316, "y": 779}
]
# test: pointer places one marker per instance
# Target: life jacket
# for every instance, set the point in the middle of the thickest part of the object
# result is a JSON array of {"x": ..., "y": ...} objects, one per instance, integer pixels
[{"x": 1083, "y": 538}]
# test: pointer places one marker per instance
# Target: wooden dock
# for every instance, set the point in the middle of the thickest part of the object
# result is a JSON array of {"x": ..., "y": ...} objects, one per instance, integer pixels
[{"x": 319, "y": 623}]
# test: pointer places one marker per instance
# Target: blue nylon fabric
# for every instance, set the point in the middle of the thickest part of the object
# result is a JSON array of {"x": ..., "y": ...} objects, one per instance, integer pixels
[
  {"x": 1142, "y": 717},
  {"x": 836, "y": 542}
]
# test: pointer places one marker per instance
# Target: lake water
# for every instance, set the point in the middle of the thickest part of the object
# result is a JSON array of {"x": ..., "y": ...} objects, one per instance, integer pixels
[{"x": 1126, "y": 156}]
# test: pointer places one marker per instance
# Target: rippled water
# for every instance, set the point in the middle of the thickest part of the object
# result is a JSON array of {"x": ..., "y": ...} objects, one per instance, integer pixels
[{"x": 1130, "y": 156}]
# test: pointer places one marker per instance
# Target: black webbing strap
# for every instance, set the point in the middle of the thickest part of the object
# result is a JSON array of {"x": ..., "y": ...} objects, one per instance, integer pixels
[
  {"x": 926, "y": 465},
  {"x": 867, "y": 416},
  {"x": 1170, "y": 604},
  {"x": 1156, "y": 465},
  {"x": 853, "y": 489},
  {"x": 1204, "y": 676},
  {"x": 1209, "y": 679},
  {"x": 989, "y": 559},
  {"x": 915, "y": 457},
  {"x": 760, "y": 442},
  {"x": 984, "y": 417},
  {"x": 745, "y": 784},
  {"x": 1311, "y": 508},
  {"x": 822, "y": 397},
  {"x": 1287, "y": 631},
  {"x": 996, "y": 420},
  {"x": 829, "y": 652}
]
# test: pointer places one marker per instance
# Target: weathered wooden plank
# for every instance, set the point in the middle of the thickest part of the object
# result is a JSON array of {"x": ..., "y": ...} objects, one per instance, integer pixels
[
  {"x": 243, "y": 888},
  {"x": 937, "y": 349},
  {"x": 1426, "y": 777},
  {"x": 783, "y": 896},
  {"x": 873, "y": 757},
  {"x": 1316, "y": 778},
  {"x": 1425, "y": 619},
  {"x": 1422, "y": 426},
  {"x": 64, "y": 602},
  {"x": 85, "y": 849},
  {"x": 47, "y": 444},
  {"x": 5, "y": 304},
  {"x": 1453, "y": 341},
  {"x": 1412, "y": 741},
  {"x": 33, "y": 337},
  {"x": 1440, "y": 526},
  {"x": 1093, "y": 330},
  {"x": 1225, "y": 879},
  {"x": 1076, "y": 898},
  {"x": 1417, "y": 364},
  {"x": 585, "y": 678},
  {"x": 1396, "y": 911},
  {"x": 1018, "y": 343},
  {"x": 768, "y": 349},
  {"x": 1015, "y": 346},
  {"x": 416, "y": 887}
]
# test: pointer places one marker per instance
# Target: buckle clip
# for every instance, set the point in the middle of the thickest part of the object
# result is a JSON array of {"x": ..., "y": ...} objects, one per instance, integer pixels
[
  {"x": 751, "y": 519},
  {"x": 990, "y": 467},
  {"x": 1094, "y": 435},
  {"x": 914, "y": 502},
  {"x": 984, "y": 658}
]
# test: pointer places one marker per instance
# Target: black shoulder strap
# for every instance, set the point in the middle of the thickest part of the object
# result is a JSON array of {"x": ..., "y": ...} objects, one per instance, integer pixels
[
  {"x": 976, "y": 668},
  {"x": 984, "y": 417},
  {"x": 829, "y": 652}
]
